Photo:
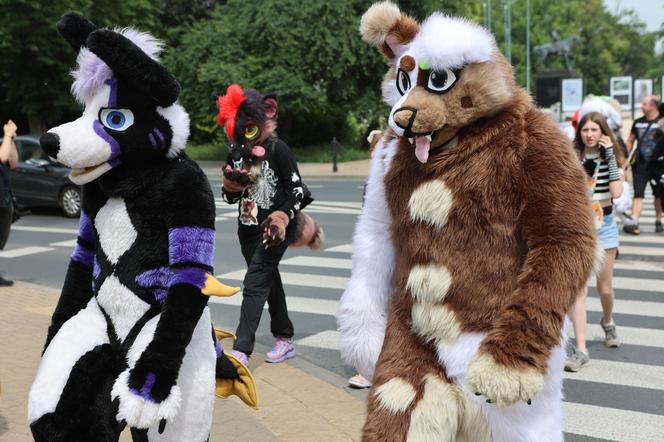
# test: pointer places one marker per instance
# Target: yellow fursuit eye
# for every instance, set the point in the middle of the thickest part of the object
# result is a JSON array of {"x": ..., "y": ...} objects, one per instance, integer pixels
[{"x": 251, "y": 132}]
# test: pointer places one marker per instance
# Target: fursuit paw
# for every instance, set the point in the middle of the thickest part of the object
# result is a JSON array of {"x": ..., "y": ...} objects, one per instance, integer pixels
[
  {"x": 235, "y": 379},
  {"x": 502, "y": 385},
  {"x": 138, "y": 408}
]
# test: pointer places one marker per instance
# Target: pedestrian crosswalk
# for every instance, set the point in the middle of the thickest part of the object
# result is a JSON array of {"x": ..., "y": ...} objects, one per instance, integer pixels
[
  {"x": 225, "y": 212},
  {"x": 603, "y": 399},
  {"x": 229, "y": 212}
]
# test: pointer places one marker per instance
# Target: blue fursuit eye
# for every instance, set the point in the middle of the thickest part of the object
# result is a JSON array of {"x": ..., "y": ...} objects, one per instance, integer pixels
[{"x": 116, "y": 119}]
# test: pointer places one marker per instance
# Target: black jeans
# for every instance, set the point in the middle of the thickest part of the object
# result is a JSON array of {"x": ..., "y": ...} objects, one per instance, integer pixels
[{"x": 262, "y": 283}]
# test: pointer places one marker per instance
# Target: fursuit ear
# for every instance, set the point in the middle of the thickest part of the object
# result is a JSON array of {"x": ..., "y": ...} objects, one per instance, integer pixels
[
  {"x": 75, "y": 29},
  {"x": 270, "y": 104},
  {"x": 130, "y": 63},
  {"x": 387, "y": 28}
]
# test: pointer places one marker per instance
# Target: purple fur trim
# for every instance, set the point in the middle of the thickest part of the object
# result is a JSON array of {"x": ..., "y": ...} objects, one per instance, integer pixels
[
  {"x": 160, "y": 295},
  {"x": 217, "y": 345},
  {"x": 92, "y": 73},
  {"x": 152, "y": 141},
  {"x": 83, "y": 255},
  {"x": 146, "y": 390},
  {"x": 161, "y": 137},
  {"x": 115, "y": 147},
  {"x": 86, "y": 228},
  {"x": 191, "y": 244},
  {"x": 159, "y": 277},
  {"x": 96, "y": 269},
  {"x": 189, "y": 275},
  {"x": 113, "y": 95}
]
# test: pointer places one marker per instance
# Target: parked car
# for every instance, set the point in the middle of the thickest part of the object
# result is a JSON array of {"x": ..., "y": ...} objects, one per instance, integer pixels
[{"x": 38, "y": 181}]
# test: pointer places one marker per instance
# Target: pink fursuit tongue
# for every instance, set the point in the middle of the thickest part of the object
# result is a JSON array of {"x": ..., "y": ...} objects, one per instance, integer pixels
[
  {"x": 258, "y": 151},
  {"x": 422, "y": 146}
]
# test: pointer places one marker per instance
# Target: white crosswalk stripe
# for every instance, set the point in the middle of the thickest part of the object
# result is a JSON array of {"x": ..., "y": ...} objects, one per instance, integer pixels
[{"x": 603, "y": 422}]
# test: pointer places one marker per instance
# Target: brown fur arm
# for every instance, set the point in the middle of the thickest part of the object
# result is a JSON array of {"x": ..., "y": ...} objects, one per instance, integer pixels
[{"x": 557, "y": 226}]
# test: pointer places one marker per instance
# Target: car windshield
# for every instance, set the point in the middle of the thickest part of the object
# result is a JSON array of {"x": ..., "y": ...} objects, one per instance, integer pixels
[{"x": 30, "y": 152}]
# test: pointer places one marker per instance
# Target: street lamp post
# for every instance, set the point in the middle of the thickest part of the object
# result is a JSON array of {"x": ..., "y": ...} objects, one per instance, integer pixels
[
  {"x": 528, "y": 45},
  {"x": 507, "y": 9}
]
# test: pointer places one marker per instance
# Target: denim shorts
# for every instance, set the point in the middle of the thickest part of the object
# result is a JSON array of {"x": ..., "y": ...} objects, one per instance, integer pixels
[{"x": 608, "y": 233}]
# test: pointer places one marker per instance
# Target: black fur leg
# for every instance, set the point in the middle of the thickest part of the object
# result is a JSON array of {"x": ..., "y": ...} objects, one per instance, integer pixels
[{"x": 84, "y": 412}]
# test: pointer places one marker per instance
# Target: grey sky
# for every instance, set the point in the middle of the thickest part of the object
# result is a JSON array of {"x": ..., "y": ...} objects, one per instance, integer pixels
[{"x": 649, "y": 11}]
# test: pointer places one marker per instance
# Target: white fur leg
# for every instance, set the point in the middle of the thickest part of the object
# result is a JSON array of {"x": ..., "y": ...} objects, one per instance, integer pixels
[
  {"x": 196, "y": 381},
  {"x": 361, "y": 334},
  {"x": 362, "y": 315},
  {"x": 80, "y": 334},
  {"x": 191, "y": 418}
]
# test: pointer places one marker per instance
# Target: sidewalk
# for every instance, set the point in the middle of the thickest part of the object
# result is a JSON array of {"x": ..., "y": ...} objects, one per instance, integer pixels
[
  {"x": 296, "y": 405},
  {"x": 349, "y": 169}
]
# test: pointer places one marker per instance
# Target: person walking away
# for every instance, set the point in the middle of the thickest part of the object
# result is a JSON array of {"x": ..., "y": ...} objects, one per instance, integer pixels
[
  {"x": 8, "y": 160},
  {"x": 643, "y": 133},
  {"x": 596, "y": 147}
]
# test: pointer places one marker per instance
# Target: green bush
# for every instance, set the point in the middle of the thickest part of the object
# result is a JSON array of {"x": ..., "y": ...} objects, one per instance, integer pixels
[{"x": 310, "y": 53}]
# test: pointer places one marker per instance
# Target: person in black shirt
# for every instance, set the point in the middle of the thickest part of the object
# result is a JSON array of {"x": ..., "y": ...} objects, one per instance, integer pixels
[
  {"x": 644, "y": 132},
  {"x": 8, "y": 159},
  {"x": 262, "y": 177}
]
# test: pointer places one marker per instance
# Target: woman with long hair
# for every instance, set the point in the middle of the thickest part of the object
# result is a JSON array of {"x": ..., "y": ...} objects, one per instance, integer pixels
[{"x": 601, "y": 158}]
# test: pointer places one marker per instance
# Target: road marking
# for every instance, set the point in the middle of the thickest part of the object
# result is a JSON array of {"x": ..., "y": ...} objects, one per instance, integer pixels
[
  {"x": 642, "y": 284},
  {"x": 344, "y": 248},
  {"x": 24, "y": 251},
  {"x": 318, "y": 261},
  {"x": 326, "y": 339},
  {"x": 299, "y": 304},
  {"x": 651, "y": 239},
  {"x": 298, "y": 279},
  {"x": 643, "y": 251},
  {"x": 647, "y": 337},
  {"x": 69, "y": 243},
  {"x": 649, "y": 266},
  {"x": 629, "y": 335},
  {"x": 612, "y": 423},
  {"x": 44, "y": 229},
  {"x": 621, "y": 373},
  {"x": 638, "y": 308}
]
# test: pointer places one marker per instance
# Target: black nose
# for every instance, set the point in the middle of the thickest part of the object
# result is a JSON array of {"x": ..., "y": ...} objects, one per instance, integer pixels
[
  {"x": 50, "y": 143},
  {"x": 404, "y": 117}
]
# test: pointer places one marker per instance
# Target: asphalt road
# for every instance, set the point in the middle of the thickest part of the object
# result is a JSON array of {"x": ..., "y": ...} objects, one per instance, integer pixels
[{"x": 620, "y": 396}]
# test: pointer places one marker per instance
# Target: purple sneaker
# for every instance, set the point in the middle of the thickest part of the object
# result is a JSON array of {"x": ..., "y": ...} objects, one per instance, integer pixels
[
  {"x": 241, "y": 357},
  {"x": 283, "y": 350}
]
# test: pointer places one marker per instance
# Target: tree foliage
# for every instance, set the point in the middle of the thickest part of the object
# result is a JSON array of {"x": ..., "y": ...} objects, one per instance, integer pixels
[{"x": 308, "y": 51}]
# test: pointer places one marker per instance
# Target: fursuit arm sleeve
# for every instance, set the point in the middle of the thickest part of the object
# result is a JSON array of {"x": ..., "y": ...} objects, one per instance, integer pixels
[
  {"x": 77, "y": 288},
  {"x": 363, "y": 308},
  {"x": 562, "y": 246},
  {"x": 289, "y": 177},
  {"x": 191, "y": 243}
]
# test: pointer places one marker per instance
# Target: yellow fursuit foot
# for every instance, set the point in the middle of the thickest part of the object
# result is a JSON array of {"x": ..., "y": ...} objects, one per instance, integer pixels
[
  {"x": 213, "y": 287},
  {"x": 223, "y": 334},
  {"x": 244, "y": 387}
]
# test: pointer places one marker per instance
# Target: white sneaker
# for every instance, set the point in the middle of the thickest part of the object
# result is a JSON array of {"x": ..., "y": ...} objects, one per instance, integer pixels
[{"x": 359, "y": 381}]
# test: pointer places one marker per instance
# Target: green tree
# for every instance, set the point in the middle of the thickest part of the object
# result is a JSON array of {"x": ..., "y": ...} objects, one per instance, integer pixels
[
  {"x": 34, "y": 78},
  {"x": 309, "y": 52}
]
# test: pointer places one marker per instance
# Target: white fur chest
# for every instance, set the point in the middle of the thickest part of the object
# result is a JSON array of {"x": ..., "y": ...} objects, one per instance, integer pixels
[
  {"x": 116, "y": 236},
  {"x": 115, "y": 230}
]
